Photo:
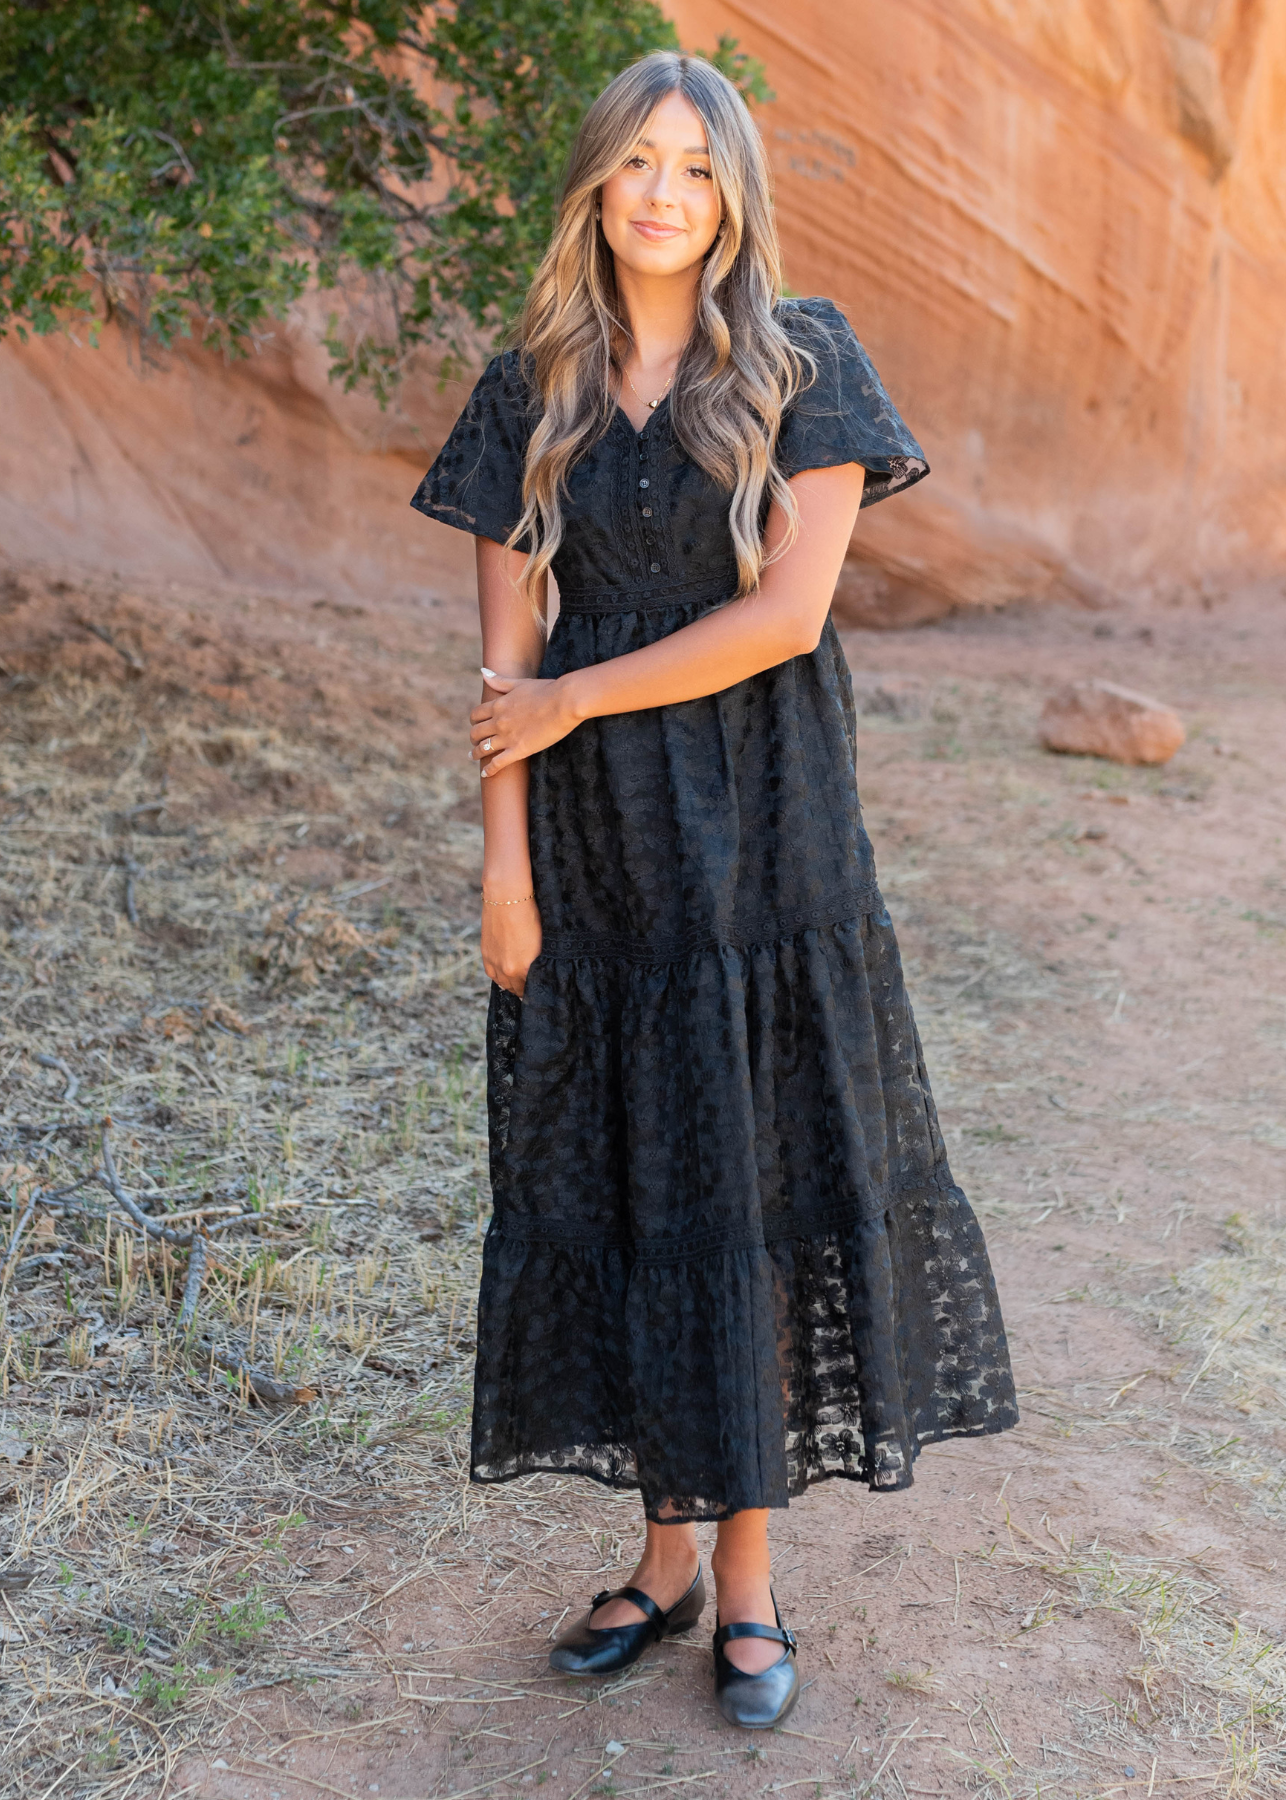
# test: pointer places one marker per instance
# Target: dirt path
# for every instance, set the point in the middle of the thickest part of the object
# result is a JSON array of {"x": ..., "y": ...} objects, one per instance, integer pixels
[{"x": 1091, "y": 1605}]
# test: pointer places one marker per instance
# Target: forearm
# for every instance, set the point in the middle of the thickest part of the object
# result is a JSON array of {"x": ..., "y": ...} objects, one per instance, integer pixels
[
  {"x": 740, "y": 640},
  {"x": 506, "y": 852},
  {"x": 513, "y": 642}
]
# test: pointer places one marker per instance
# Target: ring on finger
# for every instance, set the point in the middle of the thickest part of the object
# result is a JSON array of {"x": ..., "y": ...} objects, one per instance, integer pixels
[{"x": 485, "y": 745}]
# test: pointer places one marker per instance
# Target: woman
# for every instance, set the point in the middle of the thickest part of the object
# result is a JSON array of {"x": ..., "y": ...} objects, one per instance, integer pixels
[{"x": 727, "y": 1257}]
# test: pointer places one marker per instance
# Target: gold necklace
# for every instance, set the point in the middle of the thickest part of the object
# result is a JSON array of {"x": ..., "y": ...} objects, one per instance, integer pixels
[{"x": 650, "y": 404}]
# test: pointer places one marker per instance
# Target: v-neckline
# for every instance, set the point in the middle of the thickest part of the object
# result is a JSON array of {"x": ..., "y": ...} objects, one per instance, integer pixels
[{"x": 653, "y": 414}]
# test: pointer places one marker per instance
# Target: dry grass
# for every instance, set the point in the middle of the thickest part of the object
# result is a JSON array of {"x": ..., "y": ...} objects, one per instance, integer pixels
[
  {"x": 313, "y": 1055},
  {"x": 1206, "y": 1700},
  {"x": 294, "y": 1025},
  {"x": 1226, "y": 1318}
]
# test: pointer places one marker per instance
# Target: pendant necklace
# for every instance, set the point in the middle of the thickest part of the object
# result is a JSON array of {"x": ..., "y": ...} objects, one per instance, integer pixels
[{"x": 650, "y": 404}]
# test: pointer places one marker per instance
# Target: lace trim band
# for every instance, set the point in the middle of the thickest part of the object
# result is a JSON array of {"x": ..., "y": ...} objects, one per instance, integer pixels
[
  {"x": 645, "y": 599},
  {"x": 775, "y": 1228},
  {"x": 856, "y": 902}
]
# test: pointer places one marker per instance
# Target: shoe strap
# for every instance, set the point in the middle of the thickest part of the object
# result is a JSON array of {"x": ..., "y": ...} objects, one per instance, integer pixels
[
  {"x": 778, "y": 1634},
  {"x": 636, "y": 1597}
]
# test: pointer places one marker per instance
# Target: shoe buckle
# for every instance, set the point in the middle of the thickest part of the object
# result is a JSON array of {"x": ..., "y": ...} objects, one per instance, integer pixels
[
  {"x": 600, "y": 1600},
  {"x": 788, "y": 1634}
]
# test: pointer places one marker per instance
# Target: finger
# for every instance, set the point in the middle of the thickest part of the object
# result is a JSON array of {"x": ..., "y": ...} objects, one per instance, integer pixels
[
  {"x": 501, "y": 760},
  {"x": 485, "y": 730},
  {"x": 503, "y": 684},
  {"x": 481, "y": 712}
]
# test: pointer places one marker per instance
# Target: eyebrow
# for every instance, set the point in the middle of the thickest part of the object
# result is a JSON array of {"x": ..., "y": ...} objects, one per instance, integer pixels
[{"x": 692, "y": 149}]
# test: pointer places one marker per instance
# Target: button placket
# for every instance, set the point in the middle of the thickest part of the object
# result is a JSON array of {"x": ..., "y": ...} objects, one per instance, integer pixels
[
  {"x": 643, "y": 481},
  {"x": 646, "y": 511}
]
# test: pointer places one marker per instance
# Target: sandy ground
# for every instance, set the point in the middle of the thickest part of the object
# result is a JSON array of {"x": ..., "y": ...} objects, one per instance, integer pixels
[{"x": 1091, "y": 1605}]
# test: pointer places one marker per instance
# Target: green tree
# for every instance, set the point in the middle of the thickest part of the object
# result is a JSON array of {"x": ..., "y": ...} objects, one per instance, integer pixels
[{"x": 195, "y": 164}]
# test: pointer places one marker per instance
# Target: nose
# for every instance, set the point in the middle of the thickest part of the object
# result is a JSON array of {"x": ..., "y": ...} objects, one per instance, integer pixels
[{"x": 658, "y": 192}]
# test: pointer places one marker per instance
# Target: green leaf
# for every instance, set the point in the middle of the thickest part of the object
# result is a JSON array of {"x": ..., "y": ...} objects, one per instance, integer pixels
[{"x": 185, "y": 167}]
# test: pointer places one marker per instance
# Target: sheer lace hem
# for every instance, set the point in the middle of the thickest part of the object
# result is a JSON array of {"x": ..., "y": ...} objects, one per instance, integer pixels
[
  {"x": 738, "y": 1379},
  {"x": 619, "y": 1473}
]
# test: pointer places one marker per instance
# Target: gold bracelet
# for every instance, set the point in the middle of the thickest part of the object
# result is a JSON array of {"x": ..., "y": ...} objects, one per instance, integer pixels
[{"x": 521, "y": 902}]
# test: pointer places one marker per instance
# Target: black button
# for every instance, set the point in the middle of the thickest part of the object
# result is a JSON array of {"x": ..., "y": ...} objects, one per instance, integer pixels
[
  {"x": 649, "y": 539},
  {"x": 655, "y": 568},
  {"x": 645, "y": 482},
  {"x": 647, "y": 512}
]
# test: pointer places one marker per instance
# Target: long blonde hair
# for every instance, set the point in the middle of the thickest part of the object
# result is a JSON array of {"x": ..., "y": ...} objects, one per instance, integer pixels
[{"x": 739, "y": 369}]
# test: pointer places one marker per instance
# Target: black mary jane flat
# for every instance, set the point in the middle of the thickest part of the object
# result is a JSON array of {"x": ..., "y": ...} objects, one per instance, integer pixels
[
  {"x": 584, "y": 1650},
  {"x": 756, "y": 1702}
]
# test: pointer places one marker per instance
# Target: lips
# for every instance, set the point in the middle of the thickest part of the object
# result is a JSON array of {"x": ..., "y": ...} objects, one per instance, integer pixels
[{"x": 655, "y": 234}]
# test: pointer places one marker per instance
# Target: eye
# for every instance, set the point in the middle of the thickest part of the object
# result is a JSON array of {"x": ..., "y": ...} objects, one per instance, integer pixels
[
  {"x": 702, "y": 174},
  {"x": 636, "y": 161}
]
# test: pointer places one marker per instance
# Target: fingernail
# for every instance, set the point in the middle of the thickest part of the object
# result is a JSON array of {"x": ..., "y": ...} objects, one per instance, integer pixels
[{"x": 489, "y": 673}]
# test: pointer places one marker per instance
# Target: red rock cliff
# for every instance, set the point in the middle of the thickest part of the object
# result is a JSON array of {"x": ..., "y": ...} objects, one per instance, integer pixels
[{"x": 1059, "y": 226}]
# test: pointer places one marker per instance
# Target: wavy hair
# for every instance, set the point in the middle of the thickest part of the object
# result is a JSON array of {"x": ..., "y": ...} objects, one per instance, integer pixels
[{"x": 738, "y": 370}]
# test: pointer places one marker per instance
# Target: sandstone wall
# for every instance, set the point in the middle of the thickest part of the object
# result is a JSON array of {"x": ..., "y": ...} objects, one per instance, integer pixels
[
  {"x": 1059, "y": 226},
  {"x": 200, "y": 469}
]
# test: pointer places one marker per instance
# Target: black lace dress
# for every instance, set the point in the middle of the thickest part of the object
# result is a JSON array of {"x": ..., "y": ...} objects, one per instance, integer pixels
[{"x": 727, "y": 1257}]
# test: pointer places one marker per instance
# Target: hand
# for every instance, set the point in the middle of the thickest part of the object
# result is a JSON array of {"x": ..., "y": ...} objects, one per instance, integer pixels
[
  {"x": 527, "y": 715},
  {"x": 510, "y": 943}
]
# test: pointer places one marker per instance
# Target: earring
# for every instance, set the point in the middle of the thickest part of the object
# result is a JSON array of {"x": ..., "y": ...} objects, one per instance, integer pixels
[{"x": 598, "y": 214}]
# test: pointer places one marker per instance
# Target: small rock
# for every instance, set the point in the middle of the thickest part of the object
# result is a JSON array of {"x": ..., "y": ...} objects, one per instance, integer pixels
[
  {"x": 13, "y": 1449},
  {"x": 1097, "y": 718},
  {"x": 220, "y": 1762},
  {"x": 612, "y": 1748}
]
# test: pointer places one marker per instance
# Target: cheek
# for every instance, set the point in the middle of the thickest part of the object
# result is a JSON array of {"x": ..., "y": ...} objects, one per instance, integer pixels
[
  {"x": 703, "y": 215},
  {"x": 618, "y": 194}
]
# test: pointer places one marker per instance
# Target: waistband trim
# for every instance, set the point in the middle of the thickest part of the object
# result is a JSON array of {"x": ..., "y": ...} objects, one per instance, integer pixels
[{"x": 648, "y": 599}]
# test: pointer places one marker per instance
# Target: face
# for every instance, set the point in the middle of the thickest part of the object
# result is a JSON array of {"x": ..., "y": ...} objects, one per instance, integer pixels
[{"x": 660, "y": 211}]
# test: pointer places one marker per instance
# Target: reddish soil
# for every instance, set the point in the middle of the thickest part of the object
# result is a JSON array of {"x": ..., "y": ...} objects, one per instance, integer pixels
[{"x": 1096, "y": 955}]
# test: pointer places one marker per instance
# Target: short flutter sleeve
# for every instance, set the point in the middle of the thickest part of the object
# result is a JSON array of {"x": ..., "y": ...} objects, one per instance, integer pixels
[
  {"x": 475, "y": 483},
  {"x": 845, "y": 415}
]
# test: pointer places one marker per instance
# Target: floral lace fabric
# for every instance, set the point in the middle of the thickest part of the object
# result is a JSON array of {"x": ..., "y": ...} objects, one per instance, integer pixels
[{"x": 727, "y": 1257}]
